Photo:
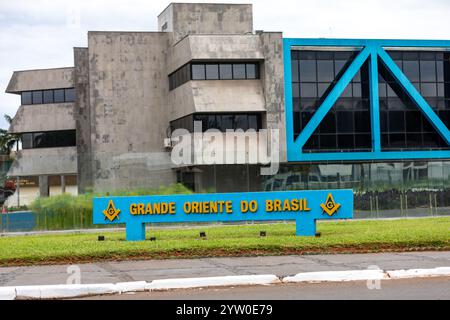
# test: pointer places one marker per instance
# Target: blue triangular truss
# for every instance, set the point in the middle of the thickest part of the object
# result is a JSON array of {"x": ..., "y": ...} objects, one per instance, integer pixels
[{"x": 371, "y": 50}]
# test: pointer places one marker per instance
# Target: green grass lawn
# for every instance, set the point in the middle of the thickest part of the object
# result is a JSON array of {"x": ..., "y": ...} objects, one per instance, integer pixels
[{"x": 337, "y": 237}]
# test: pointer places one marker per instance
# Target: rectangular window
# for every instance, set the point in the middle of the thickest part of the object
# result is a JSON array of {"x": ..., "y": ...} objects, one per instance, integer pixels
[
  {"x": 37, "y": 97},
  {"x": 58, "y": 95},
  {"x": 49, "y": 139},
  {"x": 220, "y": 121},
  {"x": 212, "y": 72},
  {"x": 70, "y": 95},
  {"x": 226, "y": 72},
  {"x": 27, "y": 140},
  {"x": 27, "y": 98},
  {"x": 198, "y": 72},
  {"x": 252, "y": 71},
  {"x": 238, "y": 71},
  {"x": 48, "y": 96}
]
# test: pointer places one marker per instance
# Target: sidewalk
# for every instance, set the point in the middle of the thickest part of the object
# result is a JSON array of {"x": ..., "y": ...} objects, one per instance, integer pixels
[{"x": 282, "y": 266}]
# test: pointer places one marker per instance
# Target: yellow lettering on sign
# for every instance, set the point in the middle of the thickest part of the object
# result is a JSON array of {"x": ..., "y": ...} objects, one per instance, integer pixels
[
  {"x": 305, "y": 205},
  {"x": 228, "y": 205},
  {"x": 295, "y": 205},
  {"x": 187, "y": 207},
  {"x": 244, "y": 206},
  {"x": 286, "y": 205},
  {"x": 276, "y": 205},
  {"x": 269, "y": 205}
]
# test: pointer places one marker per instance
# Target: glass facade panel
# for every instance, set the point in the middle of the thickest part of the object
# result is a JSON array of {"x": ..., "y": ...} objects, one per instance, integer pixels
[{"x": 402, "y": 124}]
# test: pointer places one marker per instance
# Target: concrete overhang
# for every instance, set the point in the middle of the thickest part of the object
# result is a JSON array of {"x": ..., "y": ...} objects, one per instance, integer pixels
[
  {"x": 45, "y": 161},
  {"x": 44, "y": 117},
  {"x": 217, "y": 96},
  {"x": 41, "y": 79},
  {"x": 215, "y": 48}
]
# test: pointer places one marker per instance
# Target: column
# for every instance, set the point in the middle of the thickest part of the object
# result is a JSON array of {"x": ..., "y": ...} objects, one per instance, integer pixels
[{"x": 44, "y": 190}]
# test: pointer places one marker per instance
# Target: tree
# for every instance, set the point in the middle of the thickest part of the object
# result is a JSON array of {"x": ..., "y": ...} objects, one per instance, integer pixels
[{"x": 8, "y": 140}]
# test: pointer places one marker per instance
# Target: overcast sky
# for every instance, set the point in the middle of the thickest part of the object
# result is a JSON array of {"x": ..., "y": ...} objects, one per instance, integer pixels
[{"x": 41, "y": 33}]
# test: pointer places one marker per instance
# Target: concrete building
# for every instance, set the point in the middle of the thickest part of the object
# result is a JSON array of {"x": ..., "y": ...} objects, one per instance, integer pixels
[{"x": 372, "y": 115}]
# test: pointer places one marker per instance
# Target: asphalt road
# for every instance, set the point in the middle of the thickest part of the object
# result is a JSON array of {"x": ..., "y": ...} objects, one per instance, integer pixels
[{"x": 410, "y": 289}]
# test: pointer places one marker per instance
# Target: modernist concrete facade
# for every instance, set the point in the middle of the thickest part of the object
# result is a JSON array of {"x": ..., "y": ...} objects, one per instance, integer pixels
[
  {"x": 124, "y": 106},
  {"x": 207, "y": 63}
]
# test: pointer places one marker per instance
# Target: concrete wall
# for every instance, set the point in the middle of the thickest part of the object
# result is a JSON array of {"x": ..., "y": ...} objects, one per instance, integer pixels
[
  {"x": 40, "y": 79},
  {"x": 83, "y": 119},
  {"x": 128, "y": 100},
  {"x": 203, "y": 18},
  {"x": 273, "y": 83},
  {"x": 216, "y": 96},
  {"x": 228, "y": 96},
  {"x": 44, "y": 117},
  {"x": 45, "y": 161},
  {"x": 214, "y": 47}
]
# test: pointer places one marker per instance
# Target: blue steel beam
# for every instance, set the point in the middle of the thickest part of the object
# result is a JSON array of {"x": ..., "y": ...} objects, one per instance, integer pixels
[
  {"x": 374, "y": 101},
  {"x": 369, "y": 42},
  {"x": 329, "y": 101},
  {"x": 415, "y": 96}
]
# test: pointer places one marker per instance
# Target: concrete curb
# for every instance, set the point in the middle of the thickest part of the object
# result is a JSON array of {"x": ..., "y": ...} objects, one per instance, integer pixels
[
  {"x": 81, "y": 290},
  {"x": 337, "y": 276},
  {"x": 419, "y": 273},
  {"x": 168, "y": 284}
]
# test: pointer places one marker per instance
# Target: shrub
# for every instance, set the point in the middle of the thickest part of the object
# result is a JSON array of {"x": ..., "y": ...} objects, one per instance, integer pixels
[{"x": 63, "y": 212}]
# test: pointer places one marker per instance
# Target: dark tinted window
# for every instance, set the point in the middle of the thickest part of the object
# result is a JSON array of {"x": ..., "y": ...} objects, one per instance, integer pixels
[
  {"x": 308, "y": 70},
  {"x": 212, "y": 72},
  {"x": 238, "y": 71},
  {"x": 49, "y": 139},
  {"x": 226, "y": 71},
  {"x": 58, "y": 95},
  {"x": 27, "y": 98},
  {"x": 251, "y": 71},
  {"x": 219, "y": 121},
  {"x": 37, "y": 97},
  {"x": 198, "y": 72},
  {"x": 27, "y": 140},
  {"x": 70, "y": 95},
  {"x": 48, "y": 96}
]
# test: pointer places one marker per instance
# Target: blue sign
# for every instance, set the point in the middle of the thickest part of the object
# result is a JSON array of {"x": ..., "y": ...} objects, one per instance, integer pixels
[{"x": 304, "y": 207}]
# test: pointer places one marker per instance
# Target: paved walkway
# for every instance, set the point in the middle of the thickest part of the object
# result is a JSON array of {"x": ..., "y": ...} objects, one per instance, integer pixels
[{"x": 107, "y": 272}]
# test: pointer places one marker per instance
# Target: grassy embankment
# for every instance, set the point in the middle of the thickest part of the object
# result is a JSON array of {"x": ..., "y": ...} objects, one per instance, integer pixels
[{"x": 337, "y": 237}]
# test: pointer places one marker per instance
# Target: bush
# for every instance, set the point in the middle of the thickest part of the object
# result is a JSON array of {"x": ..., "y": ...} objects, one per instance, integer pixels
[{"x": 64, "y": 212}]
